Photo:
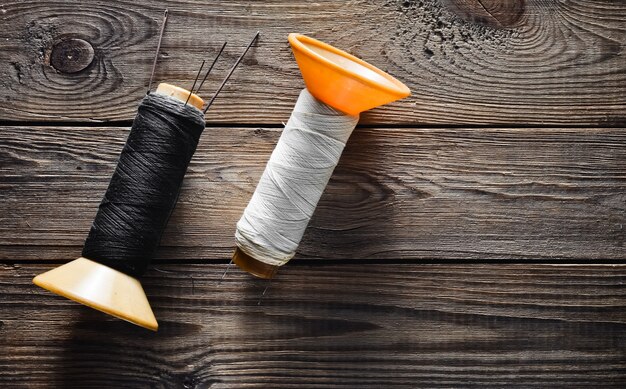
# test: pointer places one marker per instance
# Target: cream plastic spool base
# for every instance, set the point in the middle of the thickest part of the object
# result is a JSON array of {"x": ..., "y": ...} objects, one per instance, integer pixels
[
  {"x": 342, "y": 81},
  {"x": 101, "y": 287}
]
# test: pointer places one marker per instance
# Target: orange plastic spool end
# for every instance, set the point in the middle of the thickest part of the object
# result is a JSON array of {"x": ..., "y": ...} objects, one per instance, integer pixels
[{"x": 341, "y": 80}]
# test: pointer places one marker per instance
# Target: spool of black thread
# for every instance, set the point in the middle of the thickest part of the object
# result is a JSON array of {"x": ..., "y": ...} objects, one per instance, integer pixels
[
  {"x": 138, "y": 203},
  {"x": 135, "y": 209},
  {"x": 145, "y": 185}
]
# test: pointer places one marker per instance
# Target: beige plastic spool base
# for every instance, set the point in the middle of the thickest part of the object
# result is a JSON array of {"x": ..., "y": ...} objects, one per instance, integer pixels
[{"x": 101, "y": 287}]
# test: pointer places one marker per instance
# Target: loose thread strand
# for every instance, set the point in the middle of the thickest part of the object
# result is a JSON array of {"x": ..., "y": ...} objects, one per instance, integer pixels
[{"x": 193, "y": 286}]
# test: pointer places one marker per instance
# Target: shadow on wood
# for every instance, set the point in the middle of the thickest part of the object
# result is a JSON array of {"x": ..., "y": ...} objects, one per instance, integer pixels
[{"x": 361, "y": 325}]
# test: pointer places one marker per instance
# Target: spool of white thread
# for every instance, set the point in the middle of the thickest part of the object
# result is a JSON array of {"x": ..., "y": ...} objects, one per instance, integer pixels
[
  {"x": 339, "y": 87},
  {"x": 294, "y": 179}
]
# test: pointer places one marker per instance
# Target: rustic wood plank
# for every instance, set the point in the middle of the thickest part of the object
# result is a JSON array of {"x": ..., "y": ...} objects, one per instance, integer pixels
[
  {"x": 396, "y": 194},
  {"x": 366, "y": 326},
  {"x": 466, "y": 61}
]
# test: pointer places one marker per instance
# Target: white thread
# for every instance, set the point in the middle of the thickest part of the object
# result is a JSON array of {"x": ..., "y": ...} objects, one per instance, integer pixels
[{"x": 294, "y": 179}]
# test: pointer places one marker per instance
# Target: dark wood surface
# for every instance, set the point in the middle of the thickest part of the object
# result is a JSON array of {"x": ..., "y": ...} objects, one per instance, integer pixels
[
  {"x": 397, "y": 193},
  {"x": 360, "y": 325},
  {"x": 546, "y": 62},
  {"x": 472, "y": 234}
]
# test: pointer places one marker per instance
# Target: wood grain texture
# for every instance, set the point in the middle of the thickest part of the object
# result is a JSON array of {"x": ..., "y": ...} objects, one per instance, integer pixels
[
  {"x": 495, "y": 156},
  {"x": 396, "y": 194},
  {"x": 346, "y": 326},
  {"x": 466, "y": 61}
]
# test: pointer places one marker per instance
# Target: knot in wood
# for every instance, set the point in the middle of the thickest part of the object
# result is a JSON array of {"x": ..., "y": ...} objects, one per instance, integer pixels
[
  {"x": 71, "y": 55},
  {"x": 492, "y": 13}
]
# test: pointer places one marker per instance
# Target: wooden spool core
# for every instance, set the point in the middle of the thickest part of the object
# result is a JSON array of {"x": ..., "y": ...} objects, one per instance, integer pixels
[
  {"x": 253, "y": 265},
  {"x": 179, "y": 94},
  {"x": 101, "y": 287}
]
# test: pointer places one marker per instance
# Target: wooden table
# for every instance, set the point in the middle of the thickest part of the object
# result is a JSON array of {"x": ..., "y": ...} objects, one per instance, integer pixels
[{"x": 472, "y": 234}]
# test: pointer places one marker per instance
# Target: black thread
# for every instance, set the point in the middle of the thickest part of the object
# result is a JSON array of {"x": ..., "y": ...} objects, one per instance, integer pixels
[{"x": 145, "y": 185}]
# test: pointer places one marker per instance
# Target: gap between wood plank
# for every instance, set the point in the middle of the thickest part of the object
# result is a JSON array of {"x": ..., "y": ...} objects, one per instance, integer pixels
[
  {"x": 378, "y": 262},
  {"x": 452, "y": 126}
]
